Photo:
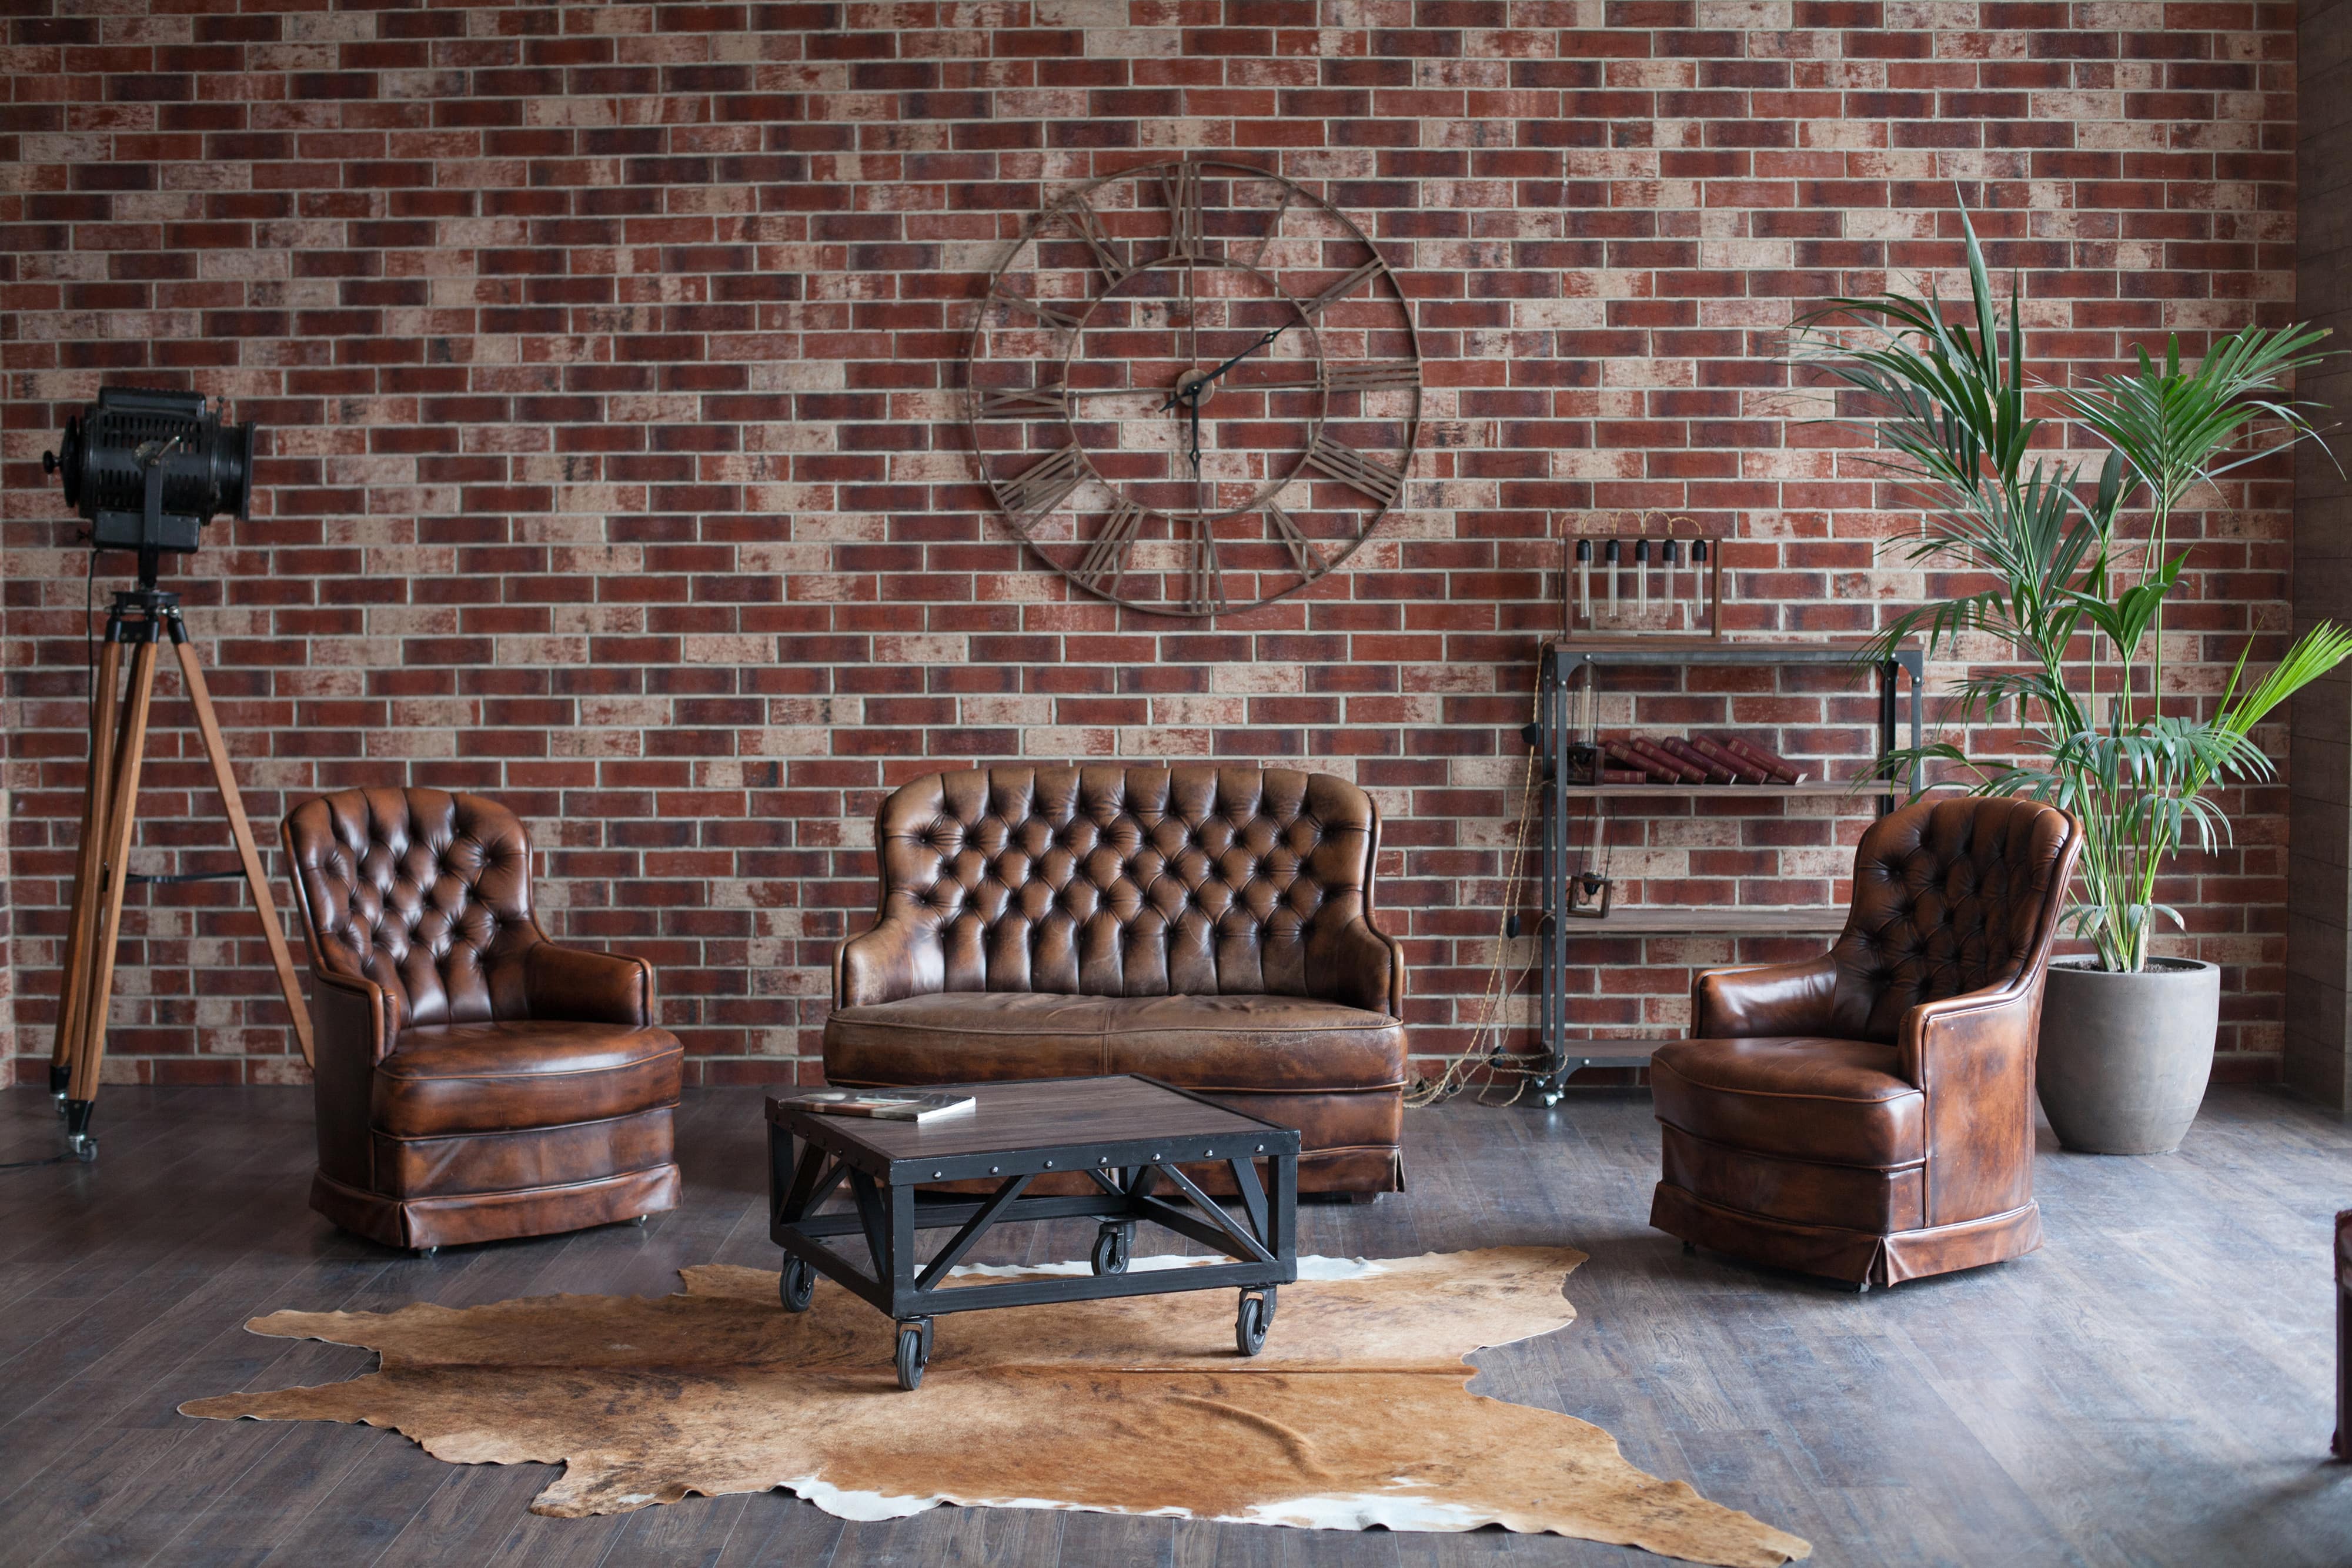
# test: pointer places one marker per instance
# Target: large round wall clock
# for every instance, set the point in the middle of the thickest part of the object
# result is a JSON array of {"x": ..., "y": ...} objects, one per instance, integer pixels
[{"x": 1195, "y": 387}]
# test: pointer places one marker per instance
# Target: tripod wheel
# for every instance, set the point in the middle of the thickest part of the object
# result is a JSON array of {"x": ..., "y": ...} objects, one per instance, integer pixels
[{"x": 78, "y": 1135}]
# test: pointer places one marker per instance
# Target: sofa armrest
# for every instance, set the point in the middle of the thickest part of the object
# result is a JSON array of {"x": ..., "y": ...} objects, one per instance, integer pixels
[
  {"x": 1368, "y": 969},
  {"x": 582, "y": 985},
  {"x": 1971, "y": 1057},
  {"x": 1765, "y": 999},
  {"x": 886, "y": 963}
]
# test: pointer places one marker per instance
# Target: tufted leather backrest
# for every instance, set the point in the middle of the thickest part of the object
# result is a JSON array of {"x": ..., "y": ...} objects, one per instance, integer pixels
[
  {"x": 424, "y": 893},
  {"x": 1128, "y": 881},
  {"x": 1949, "y": 896}
]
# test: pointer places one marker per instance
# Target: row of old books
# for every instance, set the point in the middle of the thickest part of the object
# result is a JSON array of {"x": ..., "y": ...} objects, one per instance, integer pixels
[{"x": 1698, "y": 759}]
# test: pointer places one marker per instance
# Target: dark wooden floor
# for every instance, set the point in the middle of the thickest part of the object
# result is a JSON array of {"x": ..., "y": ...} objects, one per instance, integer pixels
[{"x": 2150, "y": 1388}]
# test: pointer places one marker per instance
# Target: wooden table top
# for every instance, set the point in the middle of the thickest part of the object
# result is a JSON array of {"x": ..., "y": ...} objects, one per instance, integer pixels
[{"x": 1043, "y": 1113}]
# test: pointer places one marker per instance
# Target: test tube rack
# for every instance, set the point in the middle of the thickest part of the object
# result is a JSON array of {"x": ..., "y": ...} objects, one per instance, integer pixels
[{"x": 1662, "y": 577}]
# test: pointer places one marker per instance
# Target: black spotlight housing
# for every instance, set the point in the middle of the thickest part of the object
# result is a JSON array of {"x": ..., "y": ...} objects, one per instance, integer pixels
[{"x": 149, "y": 469}]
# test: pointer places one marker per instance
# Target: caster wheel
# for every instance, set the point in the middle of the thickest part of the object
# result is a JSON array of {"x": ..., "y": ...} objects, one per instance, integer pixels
[
  {"x": 640, "y": 1221},
  {"x": 1114, "y": 1245},
  {"x": 1257, "y": 1315},
  {"x": 85, "y": 1150},
  {"x": 796, "y": 1285},
  {"x": 1690, "y": 1249},
  {"x": 427, "y": 1251},
  {"x": 914, "y": 1353}
]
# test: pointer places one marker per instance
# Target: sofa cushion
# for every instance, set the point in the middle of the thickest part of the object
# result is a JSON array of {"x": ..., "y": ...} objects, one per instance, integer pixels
[
  {"x": 1246, "y": 1043},
  {"x": 1798, "y": 1096},
  {"x": 520, "y": 1073}
]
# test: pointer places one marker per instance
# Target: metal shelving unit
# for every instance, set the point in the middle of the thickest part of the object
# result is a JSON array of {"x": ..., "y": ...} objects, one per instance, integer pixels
[{"x": 1566, "y": 666}]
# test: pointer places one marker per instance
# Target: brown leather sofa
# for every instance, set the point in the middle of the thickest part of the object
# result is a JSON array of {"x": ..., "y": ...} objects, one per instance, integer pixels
[
  {"x": 1210, "y": 927},
  {"x": 473, "y": 1079},
  {"x": 1869, "y": 1116}
]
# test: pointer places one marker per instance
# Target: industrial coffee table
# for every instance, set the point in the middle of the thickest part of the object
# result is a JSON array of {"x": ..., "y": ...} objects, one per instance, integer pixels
[{"x": 1126, "y": 1135}]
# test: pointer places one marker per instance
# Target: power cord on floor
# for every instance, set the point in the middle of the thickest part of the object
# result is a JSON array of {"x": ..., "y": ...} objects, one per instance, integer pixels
[{"x": 52, "y": 1160}]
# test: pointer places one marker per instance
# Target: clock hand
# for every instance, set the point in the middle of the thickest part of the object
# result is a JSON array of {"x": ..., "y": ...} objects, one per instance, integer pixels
[
  {"x": 1246, "y": 354},
  {"x": 1229, "y": 364},
  {"x": 1195, "y": 401}
]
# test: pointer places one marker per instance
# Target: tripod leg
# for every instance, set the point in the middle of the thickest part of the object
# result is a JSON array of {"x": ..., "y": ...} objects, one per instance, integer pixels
[
  {"x": 233, "y": 805},
  {"x": 81, "y": 937},
  {"x": 122, "y": 816}
]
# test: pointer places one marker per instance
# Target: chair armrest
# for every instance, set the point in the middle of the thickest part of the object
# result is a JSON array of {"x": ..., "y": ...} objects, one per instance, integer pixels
[
  {"x": 1764, "y": 998},
  {"x": 1368, "y": 969},
  {"x": 355, "y": 1025},
  {"x": 1957, "y": 1040},
  {"x": 885, "y": 965},
  {"x": 581, "y": 985},
  {"x": 353, "y": 1017},
  {"x": 1971, "y": 1057}
]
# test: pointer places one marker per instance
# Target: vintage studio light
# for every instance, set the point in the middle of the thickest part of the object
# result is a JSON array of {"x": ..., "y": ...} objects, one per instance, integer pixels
[{"x": 147, "y": 470}]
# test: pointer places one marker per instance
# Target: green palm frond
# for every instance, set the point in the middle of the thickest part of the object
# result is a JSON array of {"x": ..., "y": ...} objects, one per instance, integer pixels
[
  {"x": 1944, "y": 396},
  {"x": 2172, "y": 426}
]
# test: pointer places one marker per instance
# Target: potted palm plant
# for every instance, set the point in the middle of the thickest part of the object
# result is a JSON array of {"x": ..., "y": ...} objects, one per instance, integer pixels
[{"x": 2065, "y": 587}]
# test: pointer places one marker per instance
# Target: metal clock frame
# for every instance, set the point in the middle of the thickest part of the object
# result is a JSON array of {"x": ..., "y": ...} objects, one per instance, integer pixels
[{"x": 1072, "y": 326}]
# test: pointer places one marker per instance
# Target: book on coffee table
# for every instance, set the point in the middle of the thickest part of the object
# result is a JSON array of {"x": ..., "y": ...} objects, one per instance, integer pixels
[{"x": 882, "y": 1104}]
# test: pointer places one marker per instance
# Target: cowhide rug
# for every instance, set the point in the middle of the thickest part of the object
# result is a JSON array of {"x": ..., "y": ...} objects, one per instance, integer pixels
[{"x": 1357, "y": 1413}]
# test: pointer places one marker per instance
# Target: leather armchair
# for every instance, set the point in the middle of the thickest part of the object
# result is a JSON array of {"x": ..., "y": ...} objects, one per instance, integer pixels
[
  {"x": 1869, "y": 1116},
  {"x": 473, "y": 1079},
  {"x": 2341, "y": 1444},
  {"x": 1210, "y": 927}
]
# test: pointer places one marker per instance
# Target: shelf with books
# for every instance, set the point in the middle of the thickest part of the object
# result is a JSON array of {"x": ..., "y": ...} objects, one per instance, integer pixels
[{"x": 1571, "y": 668}]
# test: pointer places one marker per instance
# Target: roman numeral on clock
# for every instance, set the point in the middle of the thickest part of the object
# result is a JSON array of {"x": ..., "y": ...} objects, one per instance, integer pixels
[
  {"x": 1373, "y": 375},
  {"x": 1044, "y": 483},
  {"x": 1082, "y": 218},
  {"x": 1184, "y": 236},
  {"x": 1204, "y": 575},
  {"x": 1340, "y": 291},
  {"x": 1106, "y": 558},
  {"x": 1347, "y": 465},
  {"x": 1044, "y": 312},
  {"x": 1022, "y": 402},
  {"x": 1303, "y": 550}
]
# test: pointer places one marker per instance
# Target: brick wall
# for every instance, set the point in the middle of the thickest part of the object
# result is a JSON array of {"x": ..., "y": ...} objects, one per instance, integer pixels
[{"x": 609, "y": 360}]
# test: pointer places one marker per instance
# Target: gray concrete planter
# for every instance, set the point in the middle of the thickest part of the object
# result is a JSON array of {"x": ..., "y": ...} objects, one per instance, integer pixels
[{"x": 2124, "y": 1058}]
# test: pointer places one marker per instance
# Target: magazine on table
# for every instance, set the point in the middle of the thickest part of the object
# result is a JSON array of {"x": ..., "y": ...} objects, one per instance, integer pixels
[{"x": 882, "y": 1104}]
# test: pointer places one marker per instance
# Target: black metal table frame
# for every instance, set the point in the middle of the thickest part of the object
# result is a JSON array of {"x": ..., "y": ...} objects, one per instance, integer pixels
[
  {"x": 887, "y": 1213},
  {"x": 1562, "y": 666}
]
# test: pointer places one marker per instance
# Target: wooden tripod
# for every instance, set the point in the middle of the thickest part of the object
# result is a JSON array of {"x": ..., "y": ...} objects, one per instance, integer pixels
[{"x": 141, "y": 618}]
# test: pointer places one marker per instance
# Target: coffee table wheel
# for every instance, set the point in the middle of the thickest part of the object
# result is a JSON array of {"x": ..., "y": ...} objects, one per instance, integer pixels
[
  {"x": 1114, "y": 1245},
  {"x": 1256, "y": 1316},
  {"x": 795, "y": 1285},
  {"x": 914, "y": 1352}
]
